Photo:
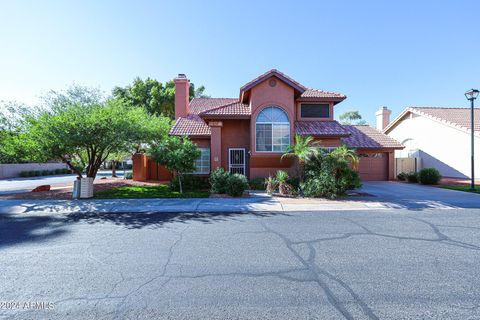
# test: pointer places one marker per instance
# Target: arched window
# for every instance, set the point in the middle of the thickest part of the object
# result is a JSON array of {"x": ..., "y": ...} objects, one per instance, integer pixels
[{"x": 272, "y": 130}]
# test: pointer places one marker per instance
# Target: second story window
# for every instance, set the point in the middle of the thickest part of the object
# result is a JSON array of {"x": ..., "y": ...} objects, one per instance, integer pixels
[
  {"x": 321, "y": 110},
  {"x": 272, "y": 130}
]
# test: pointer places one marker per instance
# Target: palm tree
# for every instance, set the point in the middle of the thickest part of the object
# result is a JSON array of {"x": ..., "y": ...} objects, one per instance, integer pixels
[
  {"x": 304, "y": 147},
  {"x": 344, "y": 153}
]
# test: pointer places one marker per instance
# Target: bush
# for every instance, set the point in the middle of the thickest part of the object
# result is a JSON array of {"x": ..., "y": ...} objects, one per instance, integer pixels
[
  {"x": 58, "y": 171},
  {"x": 189, "y": 183},
  {"x": 236, "y": 184},
  {"x": 218, "y": 181},
  {"x": 24, "y": 174},
  {"x": 128, "y": 175},
  {"x": 294, "y": 182},
  {"x": 429, "y": 176},
  {"x": 412, "y": 177},
  {"x": 328, "y": 176},
  {"x": 257, "y": 184},
  {"x": 270, "y": 185},
  {"x": 402, "y": 176},
  {"x": 66, "y": 171},
  {"x": 45, "y": 172},
  {"x": 324, "y": 185}
]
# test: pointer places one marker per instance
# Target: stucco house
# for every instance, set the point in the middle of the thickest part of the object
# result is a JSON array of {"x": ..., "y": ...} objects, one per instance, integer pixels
[
  {"x": 440, "y": 137},
  {"x": 249, "y": 134}
]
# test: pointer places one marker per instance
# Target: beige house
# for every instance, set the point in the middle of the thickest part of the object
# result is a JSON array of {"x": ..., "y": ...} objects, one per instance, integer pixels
[{"x": 439, "y": 137}]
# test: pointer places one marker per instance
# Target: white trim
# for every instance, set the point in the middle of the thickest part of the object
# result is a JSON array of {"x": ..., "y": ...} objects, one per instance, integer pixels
[
  {"x": 244, "y": 159},
  {"x": 272, "y": 123}
]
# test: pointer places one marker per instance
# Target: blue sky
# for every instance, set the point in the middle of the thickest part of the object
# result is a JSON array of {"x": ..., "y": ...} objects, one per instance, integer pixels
[{"x": 394, "y": 53}]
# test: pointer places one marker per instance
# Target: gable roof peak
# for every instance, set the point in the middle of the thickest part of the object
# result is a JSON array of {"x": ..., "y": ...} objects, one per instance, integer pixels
[{"x": 272, "y": 73}]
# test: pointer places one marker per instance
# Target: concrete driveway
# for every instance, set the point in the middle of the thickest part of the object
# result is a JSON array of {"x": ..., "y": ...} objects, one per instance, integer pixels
[
  {"x": 416, "y": 196},
  {"x": 383, "y": 264}
]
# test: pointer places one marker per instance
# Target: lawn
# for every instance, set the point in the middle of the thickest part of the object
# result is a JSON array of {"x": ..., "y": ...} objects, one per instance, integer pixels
[
  {"x": 461, "y": 188},
  {"x": 138, "y": 192}
]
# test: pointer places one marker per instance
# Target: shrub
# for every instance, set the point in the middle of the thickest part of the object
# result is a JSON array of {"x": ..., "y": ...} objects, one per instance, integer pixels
[
  {"x": 294, "y": 182},
  {"x": 257, "y": 184},
  {"x": 236, "y": 184},
  {"x": 281, "y": 178},
  {"x": 324, "y": 185},
  {"x": 270, "y": 184},
  {"x": 58, "y": 171},
  {"x": 24, "y": 174},
  {"x": 429, "y": 176},
  {"x": 412, "y": 177},
  {"x": 402, "y": 176},
  {"x": 45, "y": 172},
  {"x": 189, "y": 183},
  {"x": 66, "y": 171},
  {"x": 128, "y": 175},
  {"x": 328, "y": 176},
  {"x": 218, "y": 181}
]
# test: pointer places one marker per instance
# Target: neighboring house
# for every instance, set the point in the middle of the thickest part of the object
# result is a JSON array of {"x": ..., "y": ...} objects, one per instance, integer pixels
[
  {"x": 440, "y": 137},
  {"x": 249, "y": 134}
]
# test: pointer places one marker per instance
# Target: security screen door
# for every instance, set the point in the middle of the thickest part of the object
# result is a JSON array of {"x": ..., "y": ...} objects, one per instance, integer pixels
[{"x": 236, "y": 160}]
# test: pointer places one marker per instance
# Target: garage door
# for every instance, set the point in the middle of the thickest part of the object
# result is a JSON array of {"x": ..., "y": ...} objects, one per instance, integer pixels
[{"x": 373, "y": 166}]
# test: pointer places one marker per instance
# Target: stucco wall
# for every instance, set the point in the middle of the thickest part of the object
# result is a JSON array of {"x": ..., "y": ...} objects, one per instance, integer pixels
[
  {"x": 235, "y": 134},
  {"x": 12, "y": 170},
  {"x": 439, "y": 146},
  {"x": 263, "y": 95}
]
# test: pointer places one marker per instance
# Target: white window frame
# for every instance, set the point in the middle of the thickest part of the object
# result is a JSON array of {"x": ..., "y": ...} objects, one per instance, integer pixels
[
  {"x": 273, "y": 125},
  {"x": 230, "y": 160},
  {"x": 199, "y": 169}
]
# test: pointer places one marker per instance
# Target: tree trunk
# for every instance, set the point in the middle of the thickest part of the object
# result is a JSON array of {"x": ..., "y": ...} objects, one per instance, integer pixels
[
  {"x": 114, "y": 169},
  {"x": 180, "y": 183}
]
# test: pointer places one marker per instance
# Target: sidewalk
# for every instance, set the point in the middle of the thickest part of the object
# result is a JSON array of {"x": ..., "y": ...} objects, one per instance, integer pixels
[{"x": 253, "y": 204}]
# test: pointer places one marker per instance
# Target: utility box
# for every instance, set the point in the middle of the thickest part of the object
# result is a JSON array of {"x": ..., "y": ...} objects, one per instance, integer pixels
[
  {"x": 83, "y": 188},
  {"x": 86, "y": 188},
  {"x": 76, "y": 189}
]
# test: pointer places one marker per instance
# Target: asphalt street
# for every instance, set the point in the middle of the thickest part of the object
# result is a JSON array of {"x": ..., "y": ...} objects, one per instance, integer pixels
[{"x": 383, "y": 264}]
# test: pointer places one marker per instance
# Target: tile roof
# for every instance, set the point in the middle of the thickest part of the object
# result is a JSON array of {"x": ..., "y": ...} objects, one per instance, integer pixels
[
  {"x": 366, "y": 137},
  {"x": 320, "y": 128},
  {"x": 457, "y": 117},
  {"x": 192, "y": 125},
  {"x": 198, "y": 105},
  {"x": 314, "y": 93},
  {"x": 273, "y": 72},
  {"x": 232, "y": 109}
]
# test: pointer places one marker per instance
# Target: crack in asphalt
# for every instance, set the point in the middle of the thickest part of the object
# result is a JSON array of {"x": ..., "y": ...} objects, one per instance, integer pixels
[
  {"x": 121, "y": 306},
  {"x": 315, "y": 272},
  {"x": 441, "y": 237}
]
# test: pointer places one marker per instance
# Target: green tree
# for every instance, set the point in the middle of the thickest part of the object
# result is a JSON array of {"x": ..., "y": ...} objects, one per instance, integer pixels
[
  {"x": 155, "y": 97},
  {"x": 304, "y": 146},
  {"x": 82, "y": 129},
  {"x": 12, "y": 126},
  {"x": 351, "y": 117},
  {"x": 177, "y": 155}
]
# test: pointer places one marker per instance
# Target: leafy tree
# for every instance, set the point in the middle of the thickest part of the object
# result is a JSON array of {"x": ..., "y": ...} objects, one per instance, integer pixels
[
  {"x": 12, "y": 121},
  {"x": 177, "y": 155},
  {"x": 155, "y": 97},
  {"x": 351, "y": 117},
  {"x": 304, "y": 146},
  {"x": 82, "y": 129}
]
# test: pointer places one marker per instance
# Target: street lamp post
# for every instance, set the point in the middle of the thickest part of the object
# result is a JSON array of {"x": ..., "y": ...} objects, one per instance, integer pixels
[{"x": 471, "y": 95}]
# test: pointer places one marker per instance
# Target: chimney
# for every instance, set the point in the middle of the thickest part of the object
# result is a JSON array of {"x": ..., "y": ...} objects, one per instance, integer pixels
[
  {"x": 383, "y": 118},
  {"x": 182, "y": 96}
]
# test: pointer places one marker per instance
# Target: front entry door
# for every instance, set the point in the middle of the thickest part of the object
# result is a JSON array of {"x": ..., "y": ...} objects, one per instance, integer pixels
[{"x": 236, "y": 160}]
